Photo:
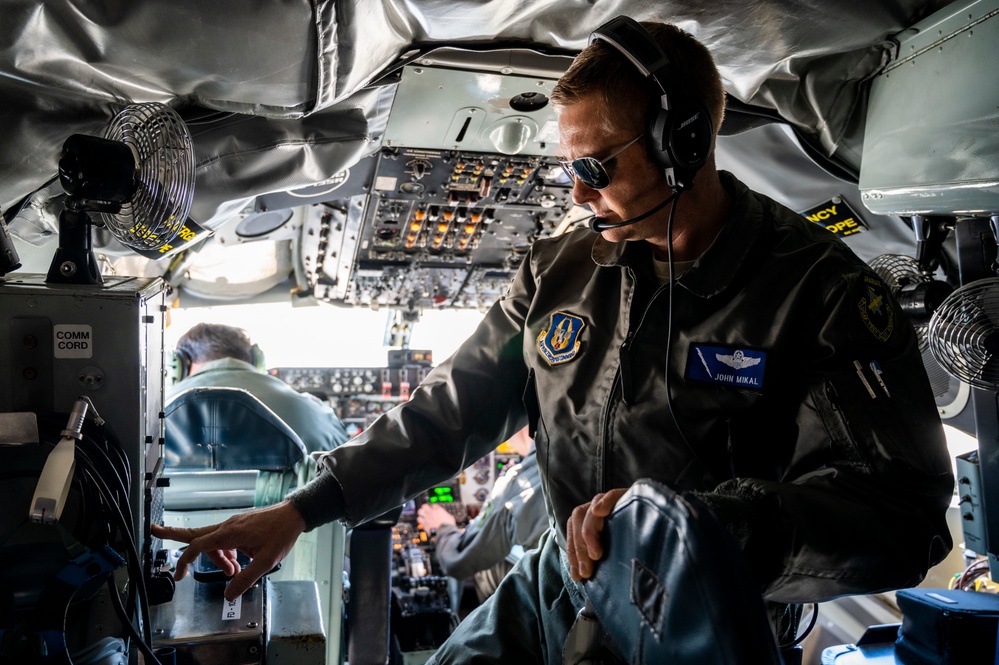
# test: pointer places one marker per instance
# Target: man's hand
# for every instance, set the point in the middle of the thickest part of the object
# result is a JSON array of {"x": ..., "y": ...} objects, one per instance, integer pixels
[
  {"x": 432, "y": 515},
  {"x": 266, "y": 535},
  {"x": 582, "y": 533}
]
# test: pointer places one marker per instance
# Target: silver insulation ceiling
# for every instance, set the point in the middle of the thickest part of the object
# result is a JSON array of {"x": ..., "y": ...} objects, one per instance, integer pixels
[{"x": 290, "y": 82}]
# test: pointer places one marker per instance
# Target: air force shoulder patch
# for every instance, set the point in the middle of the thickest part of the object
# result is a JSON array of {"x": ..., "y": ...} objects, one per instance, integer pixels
[
  {"x": 742, "y": 368},
  {"x": 559, "y": 342},
  {"x": 875, "y": 309}
]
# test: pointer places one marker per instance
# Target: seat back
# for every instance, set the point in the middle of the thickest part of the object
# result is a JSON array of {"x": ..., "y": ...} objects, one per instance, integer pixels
[{"x": 228, "y": 429}]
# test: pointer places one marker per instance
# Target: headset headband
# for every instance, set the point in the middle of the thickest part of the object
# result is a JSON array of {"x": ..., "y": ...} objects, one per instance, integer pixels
[{"x": 634, "y": 42}]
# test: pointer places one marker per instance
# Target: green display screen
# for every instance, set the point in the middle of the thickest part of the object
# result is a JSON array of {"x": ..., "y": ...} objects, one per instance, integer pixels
[{"x": 440, "y": 495}]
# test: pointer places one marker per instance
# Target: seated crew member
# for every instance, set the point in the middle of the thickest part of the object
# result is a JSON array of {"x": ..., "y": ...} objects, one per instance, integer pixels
[
  {"x": 223, "y": 356},
  {"x": 717, "y": 342},
  {"x": 513, "y": 515}
]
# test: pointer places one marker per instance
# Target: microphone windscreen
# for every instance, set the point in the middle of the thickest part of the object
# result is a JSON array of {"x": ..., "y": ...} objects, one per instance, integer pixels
[{"x": 596, "y": 224}]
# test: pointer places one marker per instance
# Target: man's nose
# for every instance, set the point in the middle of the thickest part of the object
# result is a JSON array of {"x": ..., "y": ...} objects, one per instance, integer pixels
[{"x": 581, "y": 193}]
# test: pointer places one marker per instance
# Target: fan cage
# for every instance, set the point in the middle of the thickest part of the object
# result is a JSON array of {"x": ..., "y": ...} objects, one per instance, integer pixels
[
  {"x": 964, "y": 334},
  {"x": 164, "y": 155},
  {"x": 898, "y": 271}
]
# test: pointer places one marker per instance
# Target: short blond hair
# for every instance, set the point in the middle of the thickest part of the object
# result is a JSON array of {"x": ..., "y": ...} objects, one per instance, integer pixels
[{"x": 629, "y": 97}]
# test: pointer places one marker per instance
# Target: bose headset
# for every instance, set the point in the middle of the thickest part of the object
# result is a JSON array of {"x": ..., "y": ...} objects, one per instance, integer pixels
[{"x": 680, "y": 133}]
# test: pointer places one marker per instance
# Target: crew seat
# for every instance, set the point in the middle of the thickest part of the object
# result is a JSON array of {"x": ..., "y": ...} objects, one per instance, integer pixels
[
  {"x": 226, "y": 452},
  {"x": 221, "y": 430}
]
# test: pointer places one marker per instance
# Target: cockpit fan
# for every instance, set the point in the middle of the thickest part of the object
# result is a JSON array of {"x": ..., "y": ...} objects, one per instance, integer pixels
[
  {"x": 138, "y": 181},
  {"x": 917, "y": 293},
  {"x": 964, "y": 334}
]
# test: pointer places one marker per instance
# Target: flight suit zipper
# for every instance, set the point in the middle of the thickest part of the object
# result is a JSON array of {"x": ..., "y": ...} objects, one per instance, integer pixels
[{"x": 622, "y": 383}]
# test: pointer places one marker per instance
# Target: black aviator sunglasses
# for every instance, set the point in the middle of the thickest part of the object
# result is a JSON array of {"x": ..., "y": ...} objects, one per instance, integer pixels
[{"x": 590, "y": 170}]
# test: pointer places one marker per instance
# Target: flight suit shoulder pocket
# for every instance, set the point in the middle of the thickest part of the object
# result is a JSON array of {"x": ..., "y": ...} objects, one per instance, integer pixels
[{"x": 877, "y": 431}]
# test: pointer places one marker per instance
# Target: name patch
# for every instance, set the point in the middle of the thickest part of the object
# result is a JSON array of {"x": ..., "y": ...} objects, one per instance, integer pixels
[{"x": 742, "y": 368}]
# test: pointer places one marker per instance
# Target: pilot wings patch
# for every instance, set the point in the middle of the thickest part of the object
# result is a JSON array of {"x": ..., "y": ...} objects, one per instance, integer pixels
[
  {"x": 738, "y": 360},
  {"x": 742, "y": 368}
]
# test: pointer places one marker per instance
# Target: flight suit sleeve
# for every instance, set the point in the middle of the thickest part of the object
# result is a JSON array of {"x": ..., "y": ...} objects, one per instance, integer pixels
[
  {"x": 861, "y": 504},
  {"x": 463, "y": 409},
  {"x": 485, "y": 542}
]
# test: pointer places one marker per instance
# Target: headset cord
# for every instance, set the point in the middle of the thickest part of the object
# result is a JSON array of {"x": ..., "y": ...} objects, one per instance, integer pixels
[{"x": 669, "y": 326}]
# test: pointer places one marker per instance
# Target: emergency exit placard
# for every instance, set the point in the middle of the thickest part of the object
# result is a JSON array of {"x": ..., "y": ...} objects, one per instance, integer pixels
[
  {"x": 73, "y": 341},
  {"x": 837, "y": 216}
]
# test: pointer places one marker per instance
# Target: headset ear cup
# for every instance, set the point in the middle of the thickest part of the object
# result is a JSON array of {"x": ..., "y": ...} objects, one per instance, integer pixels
[
  {"x": 178, "y": 366},
  {"x": 690, "y": 136},
  {"x": 258, "y": 357},
  {"x": 681, "y": 140},
  {"x": 680, "y": 133}
]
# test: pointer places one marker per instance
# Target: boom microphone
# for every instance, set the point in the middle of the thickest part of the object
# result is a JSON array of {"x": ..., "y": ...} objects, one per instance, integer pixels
[{"x": 598, "y": 224}]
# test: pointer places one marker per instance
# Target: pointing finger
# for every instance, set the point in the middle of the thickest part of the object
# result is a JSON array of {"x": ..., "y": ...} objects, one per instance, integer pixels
[{"x": 180, "y": 534}]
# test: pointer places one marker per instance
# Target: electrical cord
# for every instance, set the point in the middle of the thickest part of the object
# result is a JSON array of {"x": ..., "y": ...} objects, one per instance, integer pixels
[
  {"x": 120, "y": 487},
  {"x": 669, "y": 397},
  {"x": 105, "y": 469},
  {"x": 133, "y": 561},
  {"x": 669, "y": 327},
  {"x": 122, "y": 458},
  {"x": 119, "y": 609},
  {"x": 118, "y": 495},
  {"x": 103, "y": 513},
  {"x": 808, "y": 629},
  {"x": 966, "y": 580}
]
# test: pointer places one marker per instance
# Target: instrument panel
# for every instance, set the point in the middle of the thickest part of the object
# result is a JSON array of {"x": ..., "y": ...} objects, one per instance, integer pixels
[
  {"x": 358, "y": 394},
  {"x": 439, "y": 228}
]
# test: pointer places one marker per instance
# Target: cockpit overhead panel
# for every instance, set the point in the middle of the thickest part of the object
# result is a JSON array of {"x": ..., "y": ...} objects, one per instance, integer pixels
[
  {"x": 433, "y": 220},
  {"x": 457, "y": 194}
]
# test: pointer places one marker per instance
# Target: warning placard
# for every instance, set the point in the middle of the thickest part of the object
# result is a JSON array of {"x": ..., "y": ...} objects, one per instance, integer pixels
[{"x": 837, "y": 216}]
